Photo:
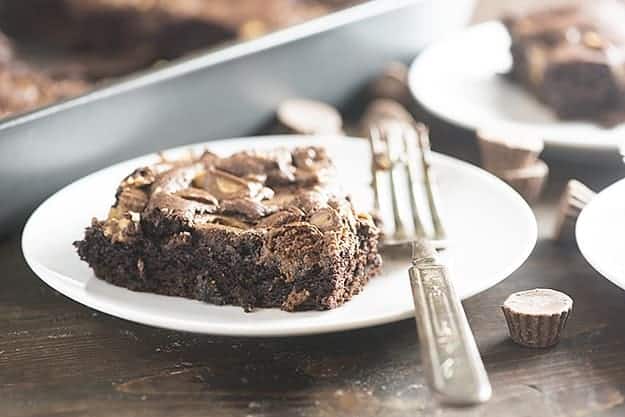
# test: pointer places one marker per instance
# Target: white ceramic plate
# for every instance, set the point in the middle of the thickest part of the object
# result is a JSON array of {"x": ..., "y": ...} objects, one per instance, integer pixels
[
  {"x": 600, "y": 233},
  {"x": 491, "y": 227},
  {"x": 460, "y": 80}
]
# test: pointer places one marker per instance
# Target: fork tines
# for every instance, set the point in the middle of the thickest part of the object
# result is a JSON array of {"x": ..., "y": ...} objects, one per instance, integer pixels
[{"x": 398, "y": 146}]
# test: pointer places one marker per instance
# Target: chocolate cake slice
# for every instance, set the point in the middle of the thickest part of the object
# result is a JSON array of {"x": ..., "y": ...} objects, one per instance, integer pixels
[
  {"x": 572, "y": 58},
  {"x": 254, "y": 229}
]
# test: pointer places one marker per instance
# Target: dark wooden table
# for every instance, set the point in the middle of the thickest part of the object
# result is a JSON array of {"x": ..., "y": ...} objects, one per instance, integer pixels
[{"x": 59, "y": 358}]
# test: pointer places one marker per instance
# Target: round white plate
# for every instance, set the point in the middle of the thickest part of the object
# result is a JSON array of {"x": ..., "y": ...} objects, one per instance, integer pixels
[
  {"x": 491, "y": 228},
  {"x": 600, "y": 233},
  {"x": 460, "y": 80}
]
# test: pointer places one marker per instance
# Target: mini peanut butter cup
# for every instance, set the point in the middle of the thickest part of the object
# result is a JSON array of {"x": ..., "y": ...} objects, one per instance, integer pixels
[
  {"x": 308, "y": 117},
  {"x": 537, "y": 317},
  {"x": 528, "y": 181},
  {"x": 506, "y": 151},
  {"x": 381, "y": 109},
  {"x": 574, "y": 198},
  {"x": 392, "y": 85}
]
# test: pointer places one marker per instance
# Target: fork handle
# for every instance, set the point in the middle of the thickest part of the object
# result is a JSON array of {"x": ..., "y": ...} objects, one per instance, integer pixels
[{"x": 449, "y": 354}]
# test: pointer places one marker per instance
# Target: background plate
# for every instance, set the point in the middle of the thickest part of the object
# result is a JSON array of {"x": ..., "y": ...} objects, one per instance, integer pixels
[
  {"x": 460, "y": 80},
  {"x": 492, "y": 231},
  {"x": 600, "y": 233}
]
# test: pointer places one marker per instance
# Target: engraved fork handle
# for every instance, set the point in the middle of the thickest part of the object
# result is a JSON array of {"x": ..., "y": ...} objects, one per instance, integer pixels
[{"x": 449, "y": 354}]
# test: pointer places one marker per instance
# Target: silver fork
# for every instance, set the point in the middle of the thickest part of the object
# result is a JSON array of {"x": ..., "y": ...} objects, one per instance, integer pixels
[{"x": 453, "y": 365}]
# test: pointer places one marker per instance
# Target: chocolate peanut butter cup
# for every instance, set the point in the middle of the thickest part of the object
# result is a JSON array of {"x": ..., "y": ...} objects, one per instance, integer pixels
[
  {"x": 308, "y": 117},
  {"x": 528, "y": 181},
  {"x": 573, "y": 199},
  {"x": 506, "y": 151},
  {"x": 537, "y": 317}
]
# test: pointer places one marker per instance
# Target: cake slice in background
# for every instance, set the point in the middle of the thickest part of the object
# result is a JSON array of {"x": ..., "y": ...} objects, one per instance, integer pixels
[{"x": 572, "y": 58}]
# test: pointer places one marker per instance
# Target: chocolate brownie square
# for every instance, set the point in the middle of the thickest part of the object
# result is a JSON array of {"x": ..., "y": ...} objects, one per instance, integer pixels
[
  {"x": 572, "y": 58},
  {"x": 254, "y": 229}
]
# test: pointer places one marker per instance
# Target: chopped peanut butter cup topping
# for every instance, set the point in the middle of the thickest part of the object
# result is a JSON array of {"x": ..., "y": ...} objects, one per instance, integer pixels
[{"x": 265, "y": 189}]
